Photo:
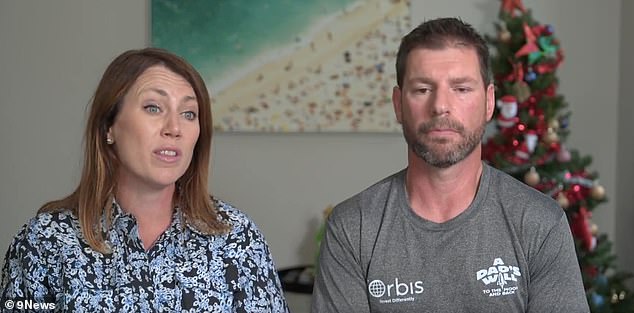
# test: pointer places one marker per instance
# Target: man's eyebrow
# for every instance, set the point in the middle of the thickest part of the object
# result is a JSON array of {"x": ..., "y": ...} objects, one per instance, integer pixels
[
  {"x": 421, "y": 79},
  {"x": 462, "y": 80},
  {"x": 452, "y": 80}
]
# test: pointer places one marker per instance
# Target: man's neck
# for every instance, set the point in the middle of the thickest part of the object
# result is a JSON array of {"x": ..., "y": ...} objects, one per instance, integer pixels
[{"x": 440, "y": 194}]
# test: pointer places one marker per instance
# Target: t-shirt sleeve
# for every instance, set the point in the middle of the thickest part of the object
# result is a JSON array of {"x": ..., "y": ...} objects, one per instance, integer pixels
[
  {"x": 556, "y": 284},
  {"x": 340, "y": 283}
]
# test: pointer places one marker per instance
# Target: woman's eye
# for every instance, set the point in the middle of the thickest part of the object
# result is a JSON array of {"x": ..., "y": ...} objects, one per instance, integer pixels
[
  {"x": 152, "y": 108},
  {"x": 189, "y": 115}
]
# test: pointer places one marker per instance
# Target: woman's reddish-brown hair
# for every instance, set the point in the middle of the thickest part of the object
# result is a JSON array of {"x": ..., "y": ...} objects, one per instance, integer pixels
[{"x": 92, "y": 199}]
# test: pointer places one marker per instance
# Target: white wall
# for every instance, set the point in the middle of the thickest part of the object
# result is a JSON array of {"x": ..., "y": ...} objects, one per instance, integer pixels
[
  {"x": 625, "y": 148},
  {"x": 52, "y": 54}
]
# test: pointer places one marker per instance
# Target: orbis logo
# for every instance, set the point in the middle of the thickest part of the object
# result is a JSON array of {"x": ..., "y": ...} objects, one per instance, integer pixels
[{"x": 378, "y": 288}]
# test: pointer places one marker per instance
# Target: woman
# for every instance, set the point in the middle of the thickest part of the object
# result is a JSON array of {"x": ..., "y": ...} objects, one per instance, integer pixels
[{"x": 141, "y": 233}]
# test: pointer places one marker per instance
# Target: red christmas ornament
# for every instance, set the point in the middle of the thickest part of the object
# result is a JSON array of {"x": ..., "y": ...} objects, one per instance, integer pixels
[
  {"x": 541, "y": 127},
  {"x": 517, "y": 74},
  {"x": 544, "y": 68},
  {"x": 507, "y": 132},
  {"x": 532, "y": 100},
  {"x": 554, "y": 147},
  {"x": 521, "y": 127},
  {"x": 538, "y": 30},
  {"x": 551, "y": 66},
  {"x": 509, "y": 6},
  {"x": 591, "y": 271}
]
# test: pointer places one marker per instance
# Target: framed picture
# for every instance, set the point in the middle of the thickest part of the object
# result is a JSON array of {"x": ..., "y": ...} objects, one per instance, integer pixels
[{"x": 290, "y": 66}]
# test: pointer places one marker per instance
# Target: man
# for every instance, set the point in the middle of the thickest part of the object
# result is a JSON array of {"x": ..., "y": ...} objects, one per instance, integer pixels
[{"x": 448, "y": 233}]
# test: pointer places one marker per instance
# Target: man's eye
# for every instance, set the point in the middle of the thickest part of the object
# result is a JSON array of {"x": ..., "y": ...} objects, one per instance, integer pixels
[{"x": 462, "y": 89}]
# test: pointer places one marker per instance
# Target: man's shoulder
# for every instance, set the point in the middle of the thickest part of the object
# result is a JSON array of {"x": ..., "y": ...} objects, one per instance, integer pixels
[
  {"x": 523, "y": 199},
  {"x": 370, "y": 200}
]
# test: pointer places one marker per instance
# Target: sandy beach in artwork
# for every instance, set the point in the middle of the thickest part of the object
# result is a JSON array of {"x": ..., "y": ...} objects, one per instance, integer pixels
[{"x": 340, "y": 80}]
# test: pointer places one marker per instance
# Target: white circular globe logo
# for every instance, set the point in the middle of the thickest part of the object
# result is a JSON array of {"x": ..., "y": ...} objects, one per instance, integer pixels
[{"x": 376, "y": 288}]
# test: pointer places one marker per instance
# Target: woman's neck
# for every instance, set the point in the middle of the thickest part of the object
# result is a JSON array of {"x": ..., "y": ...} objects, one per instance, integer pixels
[{"x": 152, "y": 210}]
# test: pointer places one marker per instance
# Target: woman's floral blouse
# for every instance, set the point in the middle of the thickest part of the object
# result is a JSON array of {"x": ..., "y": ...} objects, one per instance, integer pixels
[{"x": 184, "y": 271}]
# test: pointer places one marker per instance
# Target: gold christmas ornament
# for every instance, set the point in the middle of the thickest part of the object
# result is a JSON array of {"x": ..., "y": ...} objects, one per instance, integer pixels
[
  {"x": 503, "y": 33},
  {"x": 563, "y": 200},
  {"x": 615, "y": 297},
  {"x": 531, "y": 177},
  {"x": 597, "y": 192},
  {"x": 504, "y": 36},
  {"x": 554, "y": 124},
  {"x": 521, "y": 90},
  {"x": 551, "y": 136},
  {"x": 594, "y": 229}
]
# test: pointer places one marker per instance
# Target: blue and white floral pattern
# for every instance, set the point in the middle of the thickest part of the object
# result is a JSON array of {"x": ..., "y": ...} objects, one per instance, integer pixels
[{"x": 185, "y": 271}]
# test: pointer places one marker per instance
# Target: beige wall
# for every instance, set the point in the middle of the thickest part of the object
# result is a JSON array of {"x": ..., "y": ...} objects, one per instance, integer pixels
[{"x": 52, "y": 54}]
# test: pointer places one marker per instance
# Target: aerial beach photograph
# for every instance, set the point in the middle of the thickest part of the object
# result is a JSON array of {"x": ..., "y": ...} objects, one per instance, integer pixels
[{"x": 314, "y": 67}]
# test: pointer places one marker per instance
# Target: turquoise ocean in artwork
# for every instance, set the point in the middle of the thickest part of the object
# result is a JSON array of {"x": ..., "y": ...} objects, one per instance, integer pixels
[{"x": 219, "y": 37}]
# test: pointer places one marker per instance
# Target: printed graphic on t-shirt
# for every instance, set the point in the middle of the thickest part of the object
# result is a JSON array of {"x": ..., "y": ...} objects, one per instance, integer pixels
[
  {"x": 395, "y": 291},
  {"x": 500, "y": 279}
]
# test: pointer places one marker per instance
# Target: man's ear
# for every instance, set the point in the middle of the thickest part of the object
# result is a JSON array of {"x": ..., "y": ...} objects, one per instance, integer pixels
[
  {"x": 490, "y": 101},
  {"x": 396, "y": 102}
]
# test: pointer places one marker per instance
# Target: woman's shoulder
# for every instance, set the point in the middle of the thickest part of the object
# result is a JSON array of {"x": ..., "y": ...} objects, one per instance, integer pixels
[
  {"x": 230, "y": 213},
  {"x": 42, "y": 235},
  {"x": 50, "y": 224},
  {"x": 244, "y": 238},
  {"x": 240, "y": 222}
]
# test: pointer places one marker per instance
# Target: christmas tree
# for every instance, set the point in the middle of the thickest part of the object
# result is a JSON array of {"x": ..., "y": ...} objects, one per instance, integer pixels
[{"x": 532, "y": 126}]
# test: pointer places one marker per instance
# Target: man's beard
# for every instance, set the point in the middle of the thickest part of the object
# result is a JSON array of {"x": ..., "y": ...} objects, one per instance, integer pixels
[{"x": 439, "y": 152}]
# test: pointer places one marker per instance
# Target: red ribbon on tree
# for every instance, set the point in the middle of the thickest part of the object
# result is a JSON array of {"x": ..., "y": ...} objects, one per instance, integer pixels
[{"x": 580, "y": 227}]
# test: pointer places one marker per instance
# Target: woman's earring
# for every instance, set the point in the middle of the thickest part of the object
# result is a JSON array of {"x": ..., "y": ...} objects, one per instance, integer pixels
[{"x": 109, "y": 140}]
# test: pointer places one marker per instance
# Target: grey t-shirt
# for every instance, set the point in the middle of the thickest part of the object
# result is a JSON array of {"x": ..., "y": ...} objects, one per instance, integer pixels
[{"x": 511, "y": 250}]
